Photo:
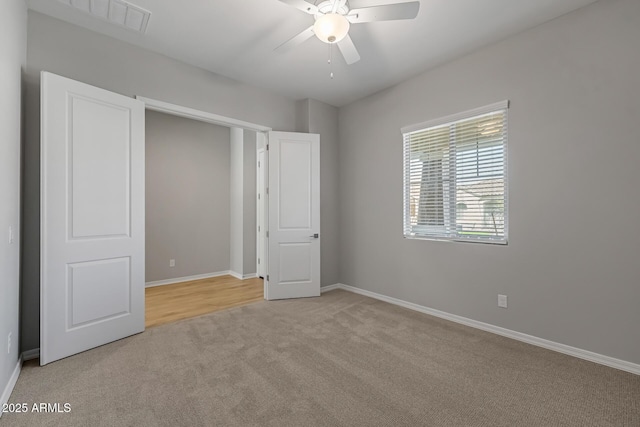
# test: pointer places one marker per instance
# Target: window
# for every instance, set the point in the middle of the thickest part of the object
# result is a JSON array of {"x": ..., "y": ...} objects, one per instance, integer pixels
[{"x": 455, "y": 177}]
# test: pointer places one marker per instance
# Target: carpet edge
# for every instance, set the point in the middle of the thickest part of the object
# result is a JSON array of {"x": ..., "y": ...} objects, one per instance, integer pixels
[{"x": 590, "y": 356}]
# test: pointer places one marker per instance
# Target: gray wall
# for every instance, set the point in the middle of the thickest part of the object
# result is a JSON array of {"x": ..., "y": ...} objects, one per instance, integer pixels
[
  {"x": 243, "y": 202},
  {"x": 323, "y": 119},
  {"x": 74, "y": 52},
  {"x": 571, "y": 268},
  {"x": 237, "y": 181},
  {"x": 13, "y": 49},
  {"x": 317, "y": 117},
  {"x": 249, "y": 194},
  {"x": 187, "y": 197}
]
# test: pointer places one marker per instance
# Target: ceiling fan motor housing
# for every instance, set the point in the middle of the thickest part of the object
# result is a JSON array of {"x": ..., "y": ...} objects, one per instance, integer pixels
[{"x": 327, "y": 6}]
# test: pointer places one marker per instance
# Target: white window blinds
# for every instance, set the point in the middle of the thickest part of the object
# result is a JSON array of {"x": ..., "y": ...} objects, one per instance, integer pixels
[{"x": 455, "y": 177}]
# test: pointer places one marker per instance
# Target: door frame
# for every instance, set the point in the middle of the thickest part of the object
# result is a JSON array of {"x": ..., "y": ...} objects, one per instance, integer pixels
[
  {"x": 201, "y": 116},
  {"x": 216, "y": 119}
]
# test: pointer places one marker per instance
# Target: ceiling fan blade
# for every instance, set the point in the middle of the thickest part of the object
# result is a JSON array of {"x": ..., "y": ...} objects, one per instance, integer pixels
[
  {"x": 309, "y": 8},
  {"x": 387, "y": 12},
  {"x": 348, "y": 50},
  {"x": 296, "y": 40},
  {"x": 337, "y": 4}
]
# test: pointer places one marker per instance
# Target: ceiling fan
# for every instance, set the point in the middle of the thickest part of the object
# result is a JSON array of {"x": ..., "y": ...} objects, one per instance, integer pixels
[{"x": 334, "y": 17}]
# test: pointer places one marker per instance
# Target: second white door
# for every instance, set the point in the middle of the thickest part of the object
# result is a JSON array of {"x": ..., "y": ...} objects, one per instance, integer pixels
[{"x": 294, "y": 216}]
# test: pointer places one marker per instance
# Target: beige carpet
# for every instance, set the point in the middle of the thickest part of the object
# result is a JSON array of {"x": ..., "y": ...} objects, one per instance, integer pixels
[{"x": 338, "y": 360}]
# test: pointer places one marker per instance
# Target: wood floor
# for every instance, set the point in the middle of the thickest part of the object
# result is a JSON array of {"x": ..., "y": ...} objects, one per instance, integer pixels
[{"x": 184, "y": 300}]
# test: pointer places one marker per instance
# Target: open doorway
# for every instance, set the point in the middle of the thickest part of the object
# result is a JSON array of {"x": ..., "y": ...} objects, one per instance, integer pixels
[
  {"x": 201, "y": 217},
  {"x": 103, "y": 246}
]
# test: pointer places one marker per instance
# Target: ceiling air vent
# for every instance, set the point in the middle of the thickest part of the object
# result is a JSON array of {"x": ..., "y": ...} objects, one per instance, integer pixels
[{"x": 117, "y": 12}]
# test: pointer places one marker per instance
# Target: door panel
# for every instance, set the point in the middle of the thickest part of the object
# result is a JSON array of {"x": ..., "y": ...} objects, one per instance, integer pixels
[
  {"x": 99, "y": 154},
  {"x": 295, "y": 262},
  {"x": 92, "y": 226},
  {"x": 98, "y": 291},
  {"x": 294, "y": 183},
  {"x": 294, "y": 216}
]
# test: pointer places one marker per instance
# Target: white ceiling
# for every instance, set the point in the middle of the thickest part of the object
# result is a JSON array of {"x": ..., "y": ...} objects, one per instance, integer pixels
[{"x": 237, "y": 38}]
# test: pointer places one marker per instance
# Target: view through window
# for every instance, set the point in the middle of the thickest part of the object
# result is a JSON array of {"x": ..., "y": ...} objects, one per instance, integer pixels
[{"x": 455, "y": 178}]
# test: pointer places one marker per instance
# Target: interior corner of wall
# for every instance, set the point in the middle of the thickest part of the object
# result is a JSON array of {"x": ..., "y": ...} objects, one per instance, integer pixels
[{"x": 303, "y": 112}]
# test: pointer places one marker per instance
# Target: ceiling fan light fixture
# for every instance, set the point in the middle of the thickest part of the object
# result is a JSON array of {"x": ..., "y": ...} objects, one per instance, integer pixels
[{"x": 331, "y": 27}]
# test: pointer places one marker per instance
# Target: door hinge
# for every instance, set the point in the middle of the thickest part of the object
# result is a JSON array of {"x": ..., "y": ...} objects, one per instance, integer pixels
[
  {"x": 267, "y": 277},
  {"x": 258, "y": 261},
  {"x": 267, "y": 147},
  {"x": 258, "y": 164},
  {"x": 258, "y": 196},
  {"x": 267, "y": 190},
  {"x": 267, "y": 233}
]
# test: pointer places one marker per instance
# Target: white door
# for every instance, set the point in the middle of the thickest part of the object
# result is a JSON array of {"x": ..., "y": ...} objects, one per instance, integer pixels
[
  {"x": 92, "y": 217},
  {"x": 294, "y": 216}
]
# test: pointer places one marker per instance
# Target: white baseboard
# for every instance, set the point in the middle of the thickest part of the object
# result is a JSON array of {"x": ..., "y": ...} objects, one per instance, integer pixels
[
  {"x": 519, "y": 336},
  {"x": 242, "y": 276},
  {"x": 186, "y": 279},
  {"x": 30, "y": 354},
  {"x": 6, "y": 393},
  {"x": 330, "y": 288}
]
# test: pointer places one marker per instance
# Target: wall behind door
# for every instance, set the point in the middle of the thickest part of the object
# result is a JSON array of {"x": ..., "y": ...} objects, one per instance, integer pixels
[
  {"x": 187, "y": 197},
  {"x": 13, "y": 49},
  {"x": 249, "y": 203}
]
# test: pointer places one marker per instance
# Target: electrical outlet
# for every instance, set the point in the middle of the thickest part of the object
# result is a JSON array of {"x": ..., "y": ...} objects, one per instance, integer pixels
[
  {"x": 172, "y": 263},
  {"x": 502, "y": 301},
  {"x": 9, "y": 343}
]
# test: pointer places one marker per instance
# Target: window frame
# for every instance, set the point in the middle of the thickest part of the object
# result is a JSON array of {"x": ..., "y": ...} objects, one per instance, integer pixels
[{"x": 502, "y": 106}]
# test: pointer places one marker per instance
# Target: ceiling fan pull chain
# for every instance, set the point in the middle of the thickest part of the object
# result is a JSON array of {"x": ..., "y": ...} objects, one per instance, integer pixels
[{"x": 330, "y": 60}]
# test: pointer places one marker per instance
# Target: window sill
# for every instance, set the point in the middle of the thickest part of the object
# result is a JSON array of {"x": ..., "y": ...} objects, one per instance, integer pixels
[{"x": 504, "y": 242}]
